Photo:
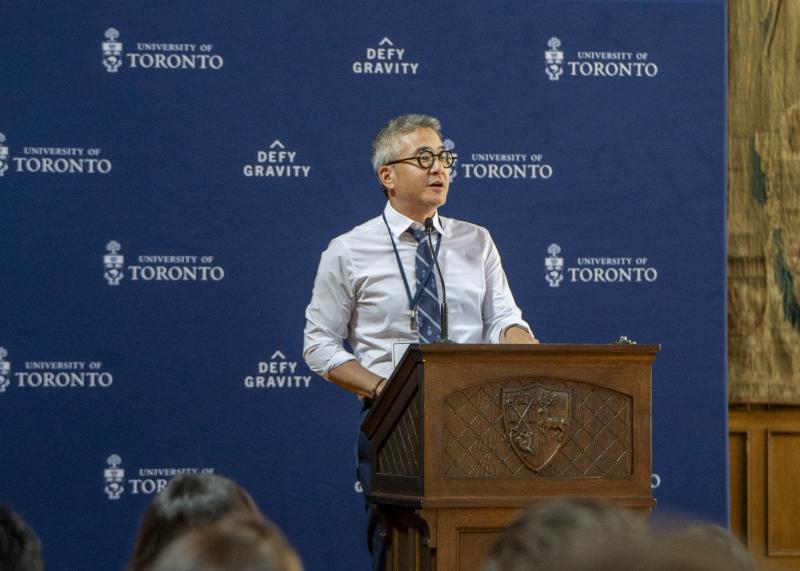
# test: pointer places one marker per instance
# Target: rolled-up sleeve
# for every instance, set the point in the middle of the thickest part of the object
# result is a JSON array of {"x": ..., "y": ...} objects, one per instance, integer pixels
[
  {"x": 328, "y": 314},
  {"x": 499, "y": 310}
]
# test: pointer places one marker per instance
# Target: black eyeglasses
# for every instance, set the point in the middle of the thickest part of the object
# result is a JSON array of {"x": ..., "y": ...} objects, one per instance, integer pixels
[{"x": 425, "y": 159}]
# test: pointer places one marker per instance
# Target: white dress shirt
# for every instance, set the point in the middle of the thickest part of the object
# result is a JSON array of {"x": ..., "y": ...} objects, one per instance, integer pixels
[{"x": 359, "y": 294}]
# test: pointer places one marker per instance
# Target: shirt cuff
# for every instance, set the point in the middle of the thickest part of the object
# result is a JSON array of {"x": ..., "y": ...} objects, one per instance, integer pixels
[{"x": 339, "y": 358}]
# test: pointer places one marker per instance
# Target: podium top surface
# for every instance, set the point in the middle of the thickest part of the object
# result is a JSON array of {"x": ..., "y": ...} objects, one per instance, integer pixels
[{"x": 542, "y": 348}]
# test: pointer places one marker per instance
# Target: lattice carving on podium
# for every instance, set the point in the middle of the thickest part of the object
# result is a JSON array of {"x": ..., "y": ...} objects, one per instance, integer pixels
[
  {"x": 399, "y": 454},
  {"x": 597, "y": 439}
]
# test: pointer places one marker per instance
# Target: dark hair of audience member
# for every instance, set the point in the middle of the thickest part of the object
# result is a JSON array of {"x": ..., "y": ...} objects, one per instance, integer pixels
[
  {"x": 236, "y": 543},
  {"x": 545, "y": 533},
  {"x": 655, "y": 553},
  {"x": 20, "y": 548},
  {"x": 715, "y": 541},
  {"x": 188, "y": 501}
]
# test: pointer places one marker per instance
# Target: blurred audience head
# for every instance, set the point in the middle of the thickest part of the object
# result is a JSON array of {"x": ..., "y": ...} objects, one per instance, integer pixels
[
  {"x": 714, "y": 542},
  {"x": 586, "y": 535},
  {"x": 654, "y": 553},
  {"x": 237, "y": 543},
  {"x": 546, "y": 533},
  {"x": 20, "y": 548},
  {"x": 188, "y": 501}
]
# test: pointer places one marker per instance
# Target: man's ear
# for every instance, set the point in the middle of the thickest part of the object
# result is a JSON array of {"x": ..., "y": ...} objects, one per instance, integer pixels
[{"x": 386, "y": 177}]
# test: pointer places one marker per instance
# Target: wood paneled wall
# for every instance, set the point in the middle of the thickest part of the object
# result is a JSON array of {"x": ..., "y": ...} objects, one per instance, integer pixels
[{"x": 765, "y": 482}]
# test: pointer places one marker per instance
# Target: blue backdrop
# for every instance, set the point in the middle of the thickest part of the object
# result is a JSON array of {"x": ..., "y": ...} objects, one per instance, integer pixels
[{"x": 171, "y": 173}]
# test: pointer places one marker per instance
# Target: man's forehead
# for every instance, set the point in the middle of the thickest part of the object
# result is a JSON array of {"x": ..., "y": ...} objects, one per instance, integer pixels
[
  {"x": 429, "y": 148},
  {"x": 421, "y": 139}
]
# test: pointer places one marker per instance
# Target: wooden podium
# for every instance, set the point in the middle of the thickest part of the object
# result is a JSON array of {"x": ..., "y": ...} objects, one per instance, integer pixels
[{"x": 464, "y": 436}]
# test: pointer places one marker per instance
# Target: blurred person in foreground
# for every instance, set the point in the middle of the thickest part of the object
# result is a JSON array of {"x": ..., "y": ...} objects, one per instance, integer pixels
[
  {"x": 589, "y": 535},
  {"x": 188, "y": 501},
  {"x": 547, "y": 533},
  {"x": 20, "y": 548},
  {"x": 236, "y": 543},
  {"x": 714, "y": 541},
  {"x": 703, "y": 552}
]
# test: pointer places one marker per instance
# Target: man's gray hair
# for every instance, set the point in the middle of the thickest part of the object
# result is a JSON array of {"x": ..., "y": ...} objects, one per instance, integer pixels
[{"x": 386, "y": 143}]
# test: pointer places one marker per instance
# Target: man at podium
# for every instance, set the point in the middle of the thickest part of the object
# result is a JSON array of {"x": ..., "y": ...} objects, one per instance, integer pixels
[{"x": 378, "y": 286}]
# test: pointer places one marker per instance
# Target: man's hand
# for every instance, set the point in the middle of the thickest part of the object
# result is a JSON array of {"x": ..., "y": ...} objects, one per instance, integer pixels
[{"x": 516, "y": 335}]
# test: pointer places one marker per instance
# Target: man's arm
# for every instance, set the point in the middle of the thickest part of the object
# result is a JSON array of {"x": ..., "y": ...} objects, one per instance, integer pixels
[
  {"x": 515, "y": 334},
  {"x": 327, "y": 316},
  {"x": 329, "y": 312},
  {"x": 354, "y": 377},
  {"x": 502, "y": 318}
]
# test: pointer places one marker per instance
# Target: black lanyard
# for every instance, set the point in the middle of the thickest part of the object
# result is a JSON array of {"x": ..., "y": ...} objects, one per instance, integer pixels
[{"x": 412, "y": 301}]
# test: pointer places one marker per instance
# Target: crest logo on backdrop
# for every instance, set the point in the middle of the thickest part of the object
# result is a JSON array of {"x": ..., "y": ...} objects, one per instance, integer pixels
[
  {"x": 3, "y": 155},
  {"x": 597, "y": 63},
  {"x": 159, "y": 268},
  {"x": 114, "y": 263},
  {"x": 597, "y": 269},
  {"x": 5, "y": 370},
  {"x": 158, "y": 55},
  {"x": 449, "y": 145},
  {"x": 145, "y": 481},
  {"x": 114, "y": 478},
  {"x": 553, "y": 59},
  {"x": 276, "y": 162},
  {"x": 554, "y": 265},
  {"x": 386, "y": 59},
  {"x": 112, "y": 51}
]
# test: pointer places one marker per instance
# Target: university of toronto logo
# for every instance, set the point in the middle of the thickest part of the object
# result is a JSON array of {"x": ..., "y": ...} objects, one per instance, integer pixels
[
  {"x": 114, "y": 477},
  {"x": 554, "y": 59},
  {"x": 554, "y": 266},
  {"x": 113, "y": 263},
  {"x": 3, "y": 155},
  {"x": 112, "y": 51},
  {"x": 5, "y": 370},
  {"x": 536, "y": 421}
]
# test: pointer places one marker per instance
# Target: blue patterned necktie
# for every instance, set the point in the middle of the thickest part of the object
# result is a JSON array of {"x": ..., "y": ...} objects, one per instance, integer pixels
[{"x": 428, "y": 309}]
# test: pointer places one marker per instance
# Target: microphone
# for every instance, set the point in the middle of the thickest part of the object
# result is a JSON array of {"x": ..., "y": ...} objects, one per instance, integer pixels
[{"x": 429, "y": 231}]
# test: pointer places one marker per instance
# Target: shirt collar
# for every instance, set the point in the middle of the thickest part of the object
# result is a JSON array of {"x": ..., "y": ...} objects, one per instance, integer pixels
[{"x": 398, "y": 223}]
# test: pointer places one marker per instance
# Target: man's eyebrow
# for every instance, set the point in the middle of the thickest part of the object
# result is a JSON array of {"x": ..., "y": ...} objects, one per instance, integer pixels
[{"x": 427, "y": 148}]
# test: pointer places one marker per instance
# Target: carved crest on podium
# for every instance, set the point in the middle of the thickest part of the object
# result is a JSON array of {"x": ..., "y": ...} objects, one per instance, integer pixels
[{"x": 536, "y": 419}]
